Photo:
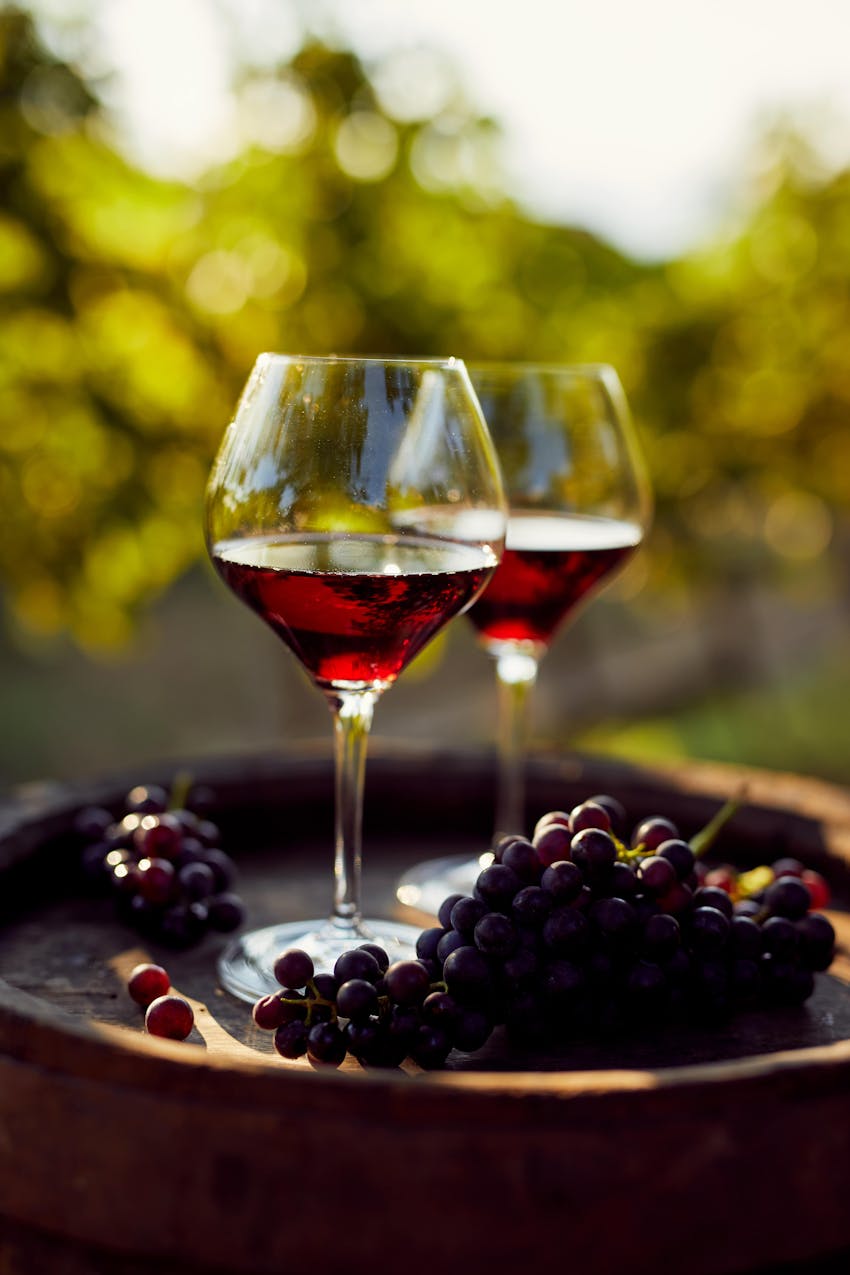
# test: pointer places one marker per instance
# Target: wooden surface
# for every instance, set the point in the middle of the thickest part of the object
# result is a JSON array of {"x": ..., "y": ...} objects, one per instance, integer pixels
[{"x": 118, "y": 1151}]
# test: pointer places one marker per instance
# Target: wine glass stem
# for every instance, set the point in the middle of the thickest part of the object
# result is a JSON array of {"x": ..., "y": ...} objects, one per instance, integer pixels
[
  {"x": 352, "y": 714},
  {"x": 516, "y": 673}
]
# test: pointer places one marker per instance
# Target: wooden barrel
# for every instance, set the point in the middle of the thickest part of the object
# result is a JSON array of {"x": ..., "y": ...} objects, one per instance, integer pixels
[{"x": 708, "y": 1151}]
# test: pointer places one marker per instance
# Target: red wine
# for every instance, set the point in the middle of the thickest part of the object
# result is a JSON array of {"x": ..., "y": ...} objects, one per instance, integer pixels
[
  {"x": 356, "y": 609},
  {"x": 551, "y": 562}
]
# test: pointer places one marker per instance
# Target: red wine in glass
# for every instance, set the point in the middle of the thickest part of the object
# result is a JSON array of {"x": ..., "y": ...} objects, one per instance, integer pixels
[
  {"x": 552, "y": 562},
  {"x": 354, "y": 610}
]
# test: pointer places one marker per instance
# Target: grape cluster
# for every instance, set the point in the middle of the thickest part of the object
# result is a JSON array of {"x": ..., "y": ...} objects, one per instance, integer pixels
[
  {"x": 378, "y": 1012},
  {"x": 580, "y": 929},
  {"x": 163, "y": 867}
]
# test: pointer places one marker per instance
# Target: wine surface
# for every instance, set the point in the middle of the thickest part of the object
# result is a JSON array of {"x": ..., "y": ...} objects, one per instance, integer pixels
[
  {"x": 551, "y": 563},
  {"x": 354, "y": 610}
]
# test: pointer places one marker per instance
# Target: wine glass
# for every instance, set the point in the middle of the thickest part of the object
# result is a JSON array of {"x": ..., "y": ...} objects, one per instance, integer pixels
[
  {"x": 355, "y": 505},
  {"x": 579, "y": 506}
]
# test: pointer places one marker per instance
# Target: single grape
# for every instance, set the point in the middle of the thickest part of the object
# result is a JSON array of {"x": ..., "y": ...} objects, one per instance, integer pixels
[
  {"x": 226, "y": 912},
  {"x": 357, "y": 963},
  {"x": 441, "y": 1007},
  {"x": 494, "y": 935},
  {"x": 818, "y": 889},
  {"x": 788, "y": 867},
  {"x": 326, "y": 1045},
  {"x": 816, "y": 940},
  {"x": 522, "y": 858},
  {"x": 722, "y": 878},
  {"x": 789, "y": 897},
  {"x": 709, "y": 896},
  {"x": 407, "y": 983},
  {"x": 593, "y": 850},
  {"x": 562, "y": 982},
  {"x": 147, "y": 982},
  {"x": 196, "y": 880},
  {"x": 323, "y": 985},
  {"x": 496, "y": 887},
  {"x": 532, "y": 905},
  {"x": 551, "y": 817},
  {"x": 589, "y": 815},
  {"x": 357, "y": 999},
  {"x": 661, "y": 937},
  {"x": 290, "y": 1039},
  {"x": 472, "y": 1030},
  {"x": 158, "y": 836},
  {"x": 653, "y": 832},
  {"x": 269, "y": 1012},
  {"x": 223, "y": 867},
  {"x": 567, "y": 933},
  {"x": 467, "y": 976},
  {"x": 656, "y": 874},
  {"x": 156, "y": 880},
  {"x": 293, "y": 968},
  {"x": 147, "y": 799},
  {"x": 562, "y": 880},
  {"x": 426, "y": 943},
  {"x": 780, "y": 936},
  {"x": 552, "y": 842},
  {"x": 169, "y": 1016},
  {"x": 430, "y": 1046},
  {"x": 450, "y": 940},
  {"x": 93, "y": 823},
  {"x": 709, "y": 930},
  {"x": 615, "y": 919},
  {"x": 746, "y": 938}
]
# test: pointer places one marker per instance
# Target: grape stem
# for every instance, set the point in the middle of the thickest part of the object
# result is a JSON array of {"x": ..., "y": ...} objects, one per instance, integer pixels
[{"x": 706, "y": 837}]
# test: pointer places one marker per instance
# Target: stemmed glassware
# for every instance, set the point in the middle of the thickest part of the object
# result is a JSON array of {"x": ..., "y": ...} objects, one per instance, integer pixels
[
  {"x": 356, "y": 505},
  {"x": 579, "y": 506}
]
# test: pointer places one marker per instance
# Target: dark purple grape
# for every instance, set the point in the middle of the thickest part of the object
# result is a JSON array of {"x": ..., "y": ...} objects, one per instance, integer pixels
[
  {"x": 466, "y": 914},
  {"x": 748, "y": 907},
  {"x": 709, "y": 931},
  {"x": 445, "y": 912},
  {"x": 357, "y": 963},
  {"x": 788, "y": 897},
  {"x": 680, "y": 855},
  {"x": 402, "y": 1025},
  {"x": 594, "y": 851},
  {"x": 589, "y": 815},
  {"x": 196, "y": 880},
  {"x": 653, "y": 832},
  {"x": 519, "y": 967},
  {"x": 430, "y": 1046},
  {"x": 567, "y": 933},
  {"x": 357, "y": 999},
  {"x": 661, "y": 937},
  {"x": 93, "y": 823},
  {"x": 380, "y": 955},
  {"x": 472, "y": 1030},
  {"x": 290, "y": 1039},
  {"x": 496, "y": 887},
  {"x": 615, "y": 809},
  {"x": 440, "y": 1007},
  {"x": 181, "y": 925},
  {"x": 532, "y": 905},
  {"x": 223, "y": 867},
  {"x": 745, "y": 980},
  {"x": 293, "y": 968},
  {"x": 711, "y": 896},
  {"x": 426, "y": 943},
  {"x": 269, "y": 1012},
  {"x": 615, "y": 919},
  {"x": 552, "y": 842},
  {"x": 451, "y": 940},
  {"x": 494, "y": 935},
  {"x": 208, "y": 833},
  {"x": 324, "y": 985},
  {"x": 563, "y": 881},
  {"x": 816, "y": 940},
  {"x": 226, "y": 912},
  {"x": 656, "y": 875},
  {"x": 620, "y": 882},
  {"x": 780, "y": 937},
  {"x": 648, "y": 989},
  {"x": 467, "y": 976},
  {"x": 561, "y": 983},
  {"x": 326, "y": 1045},
  {"x": 407, "y": 983},
  {"x": 521, "y": 857},
  {"x": 156, "y": 880},
  {"x": 746, "y": 938}
]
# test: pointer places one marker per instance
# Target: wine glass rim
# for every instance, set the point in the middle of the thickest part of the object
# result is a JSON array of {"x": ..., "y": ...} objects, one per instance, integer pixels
[
  {"x": 572, "y": 369},
  {"x": 393, "y": 360}
]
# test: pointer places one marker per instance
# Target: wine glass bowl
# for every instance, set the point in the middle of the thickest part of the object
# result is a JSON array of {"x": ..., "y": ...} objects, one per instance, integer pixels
[
  {"x": 579, "y": 505},
  {"x": 356, "y": 506}
]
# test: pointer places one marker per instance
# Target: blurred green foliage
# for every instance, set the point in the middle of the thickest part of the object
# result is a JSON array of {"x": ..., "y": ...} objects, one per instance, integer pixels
[{"x": 131, "y": 310}]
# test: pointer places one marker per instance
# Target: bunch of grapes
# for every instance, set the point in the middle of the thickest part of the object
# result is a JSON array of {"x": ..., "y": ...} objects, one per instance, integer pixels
[
  {"x": 580, "y": 929},
  {"x": 163, "y": 866}
]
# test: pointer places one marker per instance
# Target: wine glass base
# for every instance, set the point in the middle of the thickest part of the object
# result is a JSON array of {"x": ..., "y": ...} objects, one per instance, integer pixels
[
  {"x": 426, "y": 885},
  {"x": 245, "y": 967}
]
